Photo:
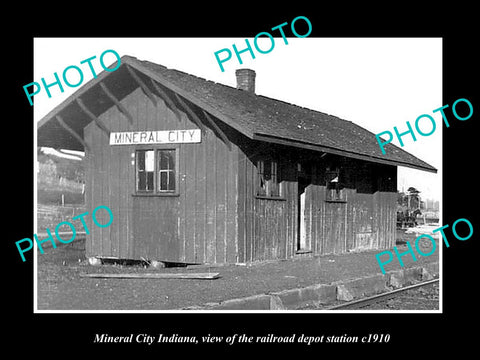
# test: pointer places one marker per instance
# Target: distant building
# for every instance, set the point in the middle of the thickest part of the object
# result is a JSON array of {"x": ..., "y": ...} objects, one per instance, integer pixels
[{"x": 432, "y": 205}]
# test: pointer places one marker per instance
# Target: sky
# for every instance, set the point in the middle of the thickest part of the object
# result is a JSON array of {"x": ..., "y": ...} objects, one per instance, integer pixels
[{"x": 377, "y": 83}]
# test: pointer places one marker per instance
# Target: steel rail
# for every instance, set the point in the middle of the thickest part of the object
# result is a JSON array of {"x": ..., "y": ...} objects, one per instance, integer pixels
[{"x": 380, "y": 297}]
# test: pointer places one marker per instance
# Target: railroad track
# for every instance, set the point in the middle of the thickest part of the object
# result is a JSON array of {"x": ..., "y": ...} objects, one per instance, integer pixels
[{"x": 360, "y": 303}]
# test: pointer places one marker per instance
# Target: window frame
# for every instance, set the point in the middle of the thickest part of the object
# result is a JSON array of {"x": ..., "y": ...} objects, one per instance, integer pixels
[
  {"x": 156, "y": 171},
  {"x": 137, "y": 172},
  {"x": 265, "y": 192},
  {"x": 338, "y": 189}
]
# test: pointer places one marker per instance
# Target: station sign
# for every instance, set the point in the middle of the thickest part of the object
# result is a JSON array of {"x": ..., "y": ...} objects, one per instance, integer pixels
[{"x": 156, "y": 137}]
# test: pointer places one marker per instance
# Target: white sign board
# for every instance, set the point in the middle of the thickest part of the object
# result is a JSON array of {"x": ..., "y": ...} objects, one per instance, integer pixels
[{"x": 156, "y": 137}]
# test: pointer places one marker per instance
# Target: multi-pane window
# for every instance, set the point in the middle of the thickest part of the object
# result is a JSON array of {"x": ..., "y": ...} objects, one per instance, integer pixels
[
  {"x": 145, "y": 170},
  {"x": 155, "y": 171},
  {"x": 268, "y": 179},
  {"x": 166, "y": 170}
]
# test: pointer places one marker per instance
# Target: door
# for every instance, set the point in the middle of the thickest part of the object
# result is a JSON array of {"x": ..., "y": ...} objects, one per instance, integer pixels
[
  {"x": 302, "y": 215},
  {"x": 302, "y": 220}
]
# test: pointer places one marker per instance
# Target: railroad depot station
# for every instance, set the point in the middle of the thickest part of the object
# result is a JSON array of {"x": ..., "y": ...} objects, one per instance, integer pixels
[{"x": 198, "y": 172}]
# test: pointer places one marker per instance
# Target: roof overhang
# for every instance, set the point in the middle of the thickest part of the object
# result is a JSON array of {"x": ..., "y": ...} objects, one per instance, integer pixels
[
  {"x": 328, "y": 150},
  {"x": 52, "y": 133}
]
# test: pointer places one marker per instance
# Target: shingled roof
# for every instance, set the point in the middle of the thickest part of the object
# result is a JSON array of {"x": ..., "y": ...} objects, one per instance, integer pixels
[{"x": 256, "y": 116}]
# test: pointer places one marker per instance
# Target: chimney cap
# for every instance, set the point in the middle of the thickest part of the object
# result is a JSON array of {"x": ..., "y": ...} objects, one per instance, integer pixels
[{"x": 244, "y": 70}]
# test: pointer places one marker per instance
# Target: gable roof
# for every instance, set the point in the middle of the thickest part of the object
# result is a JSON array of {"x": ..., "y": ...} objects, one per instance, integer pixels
[{"x": 255, "y": 116}]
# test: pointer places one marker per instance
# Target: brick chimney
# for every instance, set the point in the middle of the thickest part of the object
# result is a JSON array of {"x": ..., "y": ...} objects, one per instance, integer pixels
[{"x": 245, "y": 79}]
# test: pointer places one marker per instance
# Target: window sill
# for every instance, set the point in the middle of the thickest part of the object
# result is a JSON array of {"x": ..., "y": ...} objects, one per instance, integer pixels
[
  {"x": 157, "y": 195},
  {"x": 336, "y": 201},
  {"x": 301, "y": 252},
  {"x": 270, "y": 198}
]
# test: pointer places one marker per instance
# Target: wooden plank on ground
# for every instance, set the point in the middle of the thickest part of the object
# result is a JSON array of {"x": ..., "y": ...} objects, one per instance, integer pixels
[{"x": 191, "y": 276}]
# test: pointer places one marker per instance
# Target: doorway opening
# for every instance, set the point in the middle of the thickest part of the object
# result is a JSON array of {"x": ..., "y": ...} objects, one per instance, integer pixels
[{"x": 302, "y": 243}]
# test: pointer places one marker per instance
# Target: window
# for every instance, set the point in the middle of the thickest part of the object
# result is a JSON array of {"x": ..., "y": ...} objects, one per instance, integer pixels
[
  {"x": 268, "y": 179},
  {"x": 334, "y": 186},
  {"x": 166, "y": 170},
  {"x": 145, "y": 170},
  {"x": 156, "y": 171}
]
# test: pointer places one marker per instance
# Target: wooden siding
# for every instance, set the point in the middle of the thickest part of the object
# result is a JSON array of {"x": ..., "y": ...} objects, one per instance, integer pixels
[
  {"x": 269, "y": 228},
  {"x": 266, "y": 227},
  {"x": 197, "y": 226},
  {"x": 216, "y": 217},
  {"x": 363, "y": 222}
]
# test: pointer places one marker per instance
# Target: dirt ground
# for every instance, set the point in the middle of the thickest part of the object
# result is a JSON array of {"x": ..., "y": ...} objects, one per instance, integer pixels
[{"x": 60, "y": 286}]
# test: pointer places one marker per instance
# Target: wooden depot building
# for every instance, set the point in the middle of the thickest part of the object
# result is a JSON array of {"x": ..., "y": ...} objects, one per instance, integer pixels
[{"x": 198, "y": 172}]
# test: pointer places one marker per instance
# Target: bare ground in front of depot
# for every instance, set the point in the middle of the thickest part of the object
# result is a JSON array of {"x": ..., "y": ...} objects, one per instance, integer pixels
[{"x": 60, "y": 286}]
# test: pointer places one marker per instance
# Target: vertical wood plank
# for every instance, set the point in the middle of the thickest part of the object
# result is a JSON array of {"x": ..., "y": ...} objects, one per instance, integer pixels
[
  {"x": 133, "y": 241},
  {"x": 309, "y": 211},
  {"x": 220, "y": 218},
  {"x": 106, "y": 195},
  {"x": 89, "y": 189},
  {"x": 262, "y": 225},
  {"x": 182, "y": 204},
  {"x": 190, "y": 192},
  {"x": 98, "y": 200},
  {"x": 268, "y": 227},
  {"x": 288, "y": 217},
  {"x": 210, "y": 197},
  {"x": 118, "y": 164},
  {"x": 313, "y": 214},
  {"x": 257, "y": 220},
  {"x": 264, "y": 236},
  {"x": 231, "y": 227},
  {"x": 250, "y": 225},
  {"x": 200, "y": 203},
  {"x": 122, "y": 207},
  {"x": 97, "y": 190},
  {"x": 295, "y": 227},
  {"x": 186, "y": 200},
  {"x": 112, "y": 158},
  {"x": 241, "y": 207}
]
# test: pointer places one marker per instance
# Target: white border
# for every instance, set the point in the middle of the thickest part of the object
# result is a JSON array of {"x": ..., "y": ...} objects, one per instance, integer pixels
[{"x": 219, "y": 43}]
